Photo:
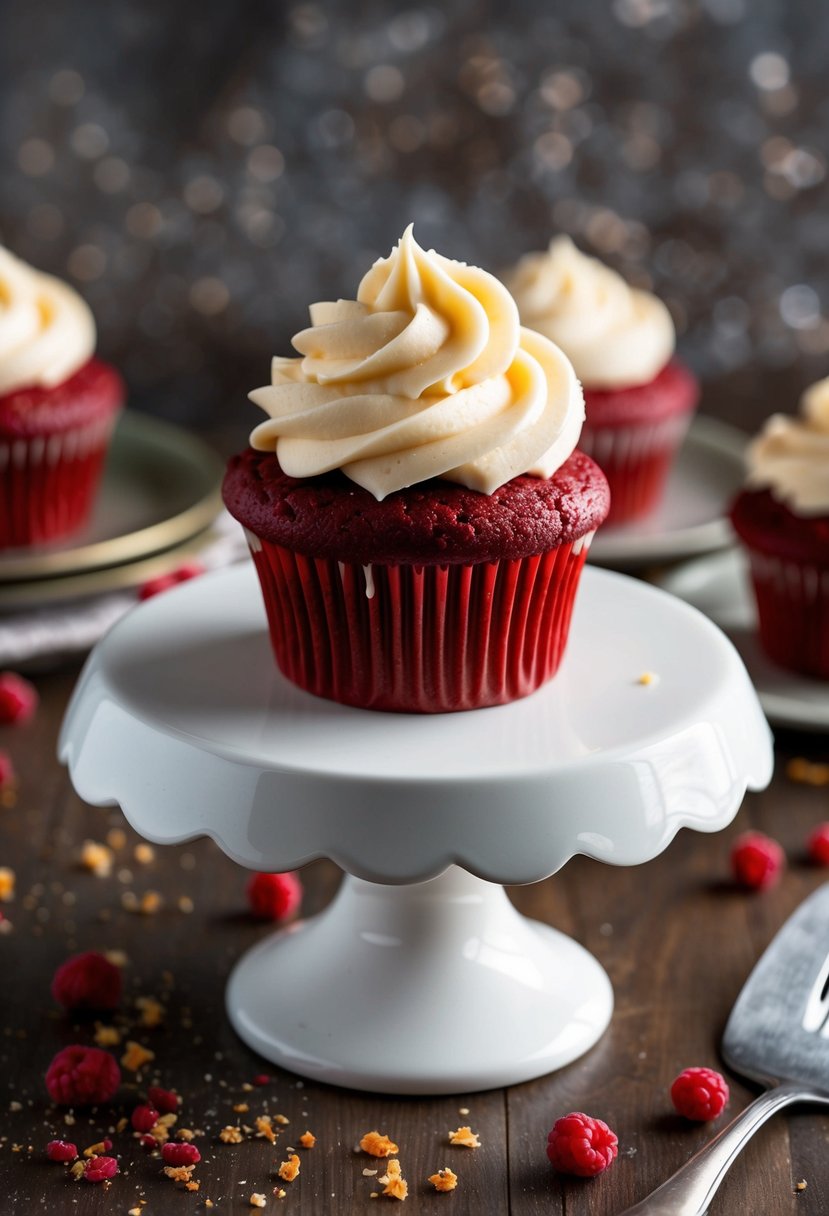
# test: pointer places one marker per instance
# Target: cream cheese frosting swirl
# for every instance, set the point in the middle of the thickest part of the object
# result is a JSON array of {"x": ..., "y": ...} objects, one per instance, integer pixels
[
  {"x": 615, "y": 335},
  {"x": 46, "y": 330},
  {"x": 426, "y": 374},
  {"x": 790, "y": 456}
]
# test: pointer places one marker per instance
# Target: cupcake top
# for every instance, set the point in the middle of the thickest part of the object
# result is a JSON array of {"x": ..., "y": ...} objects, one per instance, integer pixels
[
  {"x": 790, "y": 457},
  {"x": 615, "y": 335},
  {"x": 47, "y": 332},
  {"x": 426, "y": 374}
]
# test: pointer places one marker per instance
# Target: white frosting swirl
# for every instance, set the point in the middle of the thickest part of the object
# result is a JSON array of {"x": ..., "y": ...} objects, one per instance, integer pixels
[
  {"x": 426, "y": 374},
  {"x": 46, "y": 330},
  {"x": 790, "y": 456},
  {"x": 615, "y": 335}
]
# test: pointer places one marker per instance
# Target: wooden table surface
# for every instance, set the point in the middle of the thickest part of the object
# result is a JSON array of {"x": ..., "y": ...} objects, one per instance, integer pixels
[{"x": 676, "y": 937}]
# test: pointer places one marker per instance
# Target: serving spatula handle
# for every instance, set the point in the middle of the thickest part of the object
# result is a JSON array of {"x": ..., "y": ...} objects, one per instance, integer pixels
[{"x": 691, "y": 1189}]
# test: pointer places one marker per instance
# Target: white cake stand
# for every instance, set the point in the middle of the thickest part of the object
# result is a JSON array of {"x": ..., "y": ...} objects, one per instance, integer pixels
[{"x": 421, "y": 977}]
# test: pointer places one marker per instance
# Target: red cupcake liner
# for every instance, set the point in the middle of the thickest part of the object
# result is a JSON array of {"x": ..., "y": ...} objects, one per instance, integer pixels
[
  {"x": 636, "y": 460},
  {"x": 793, "y": 612},
  {"x": 48, "y": 483},
  {"x": 419, "y": 639}
]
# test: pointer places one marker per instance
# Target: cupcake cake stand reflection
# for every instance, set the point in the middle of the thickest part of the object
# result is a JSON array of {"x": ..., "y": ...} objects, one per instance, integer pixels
[{"x": 420, "y": 977}]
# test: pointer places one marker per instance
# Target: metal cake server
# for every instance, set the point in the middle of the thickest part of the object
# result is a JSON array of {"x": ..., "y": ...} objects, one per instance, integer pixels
[{"x": 777, "y": 1035}]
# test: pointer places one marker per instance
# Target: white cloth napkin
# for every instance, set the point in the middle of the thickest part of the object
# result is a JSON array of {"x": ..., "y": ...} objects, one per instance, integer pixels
[{"x": 40, "y": 636}]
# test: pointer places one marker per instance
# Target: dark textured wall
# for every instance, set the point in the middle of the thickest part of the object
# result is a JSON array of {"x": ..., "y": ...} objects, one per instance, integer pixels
[{"x": 202, "y": 172}]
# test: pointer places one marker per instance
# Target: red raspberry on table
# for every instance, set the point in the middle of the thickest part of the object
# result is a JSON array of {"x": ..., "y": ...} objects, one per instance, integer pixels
[
  {"x": 144, "y": 1118},
  {"x": 700, "y": 1094},
  {"x": 164, "y": 1100},
  {"x": 79, "y": 1076},
  {"x": 7, "y": 774},
  {"x": 262, "y": 1078},
  {"x": 581, "y": 1145},
  {"x": 98, "y": 1169},
  {"x": 274, "y": 896},
  {"x": 164, "y": 582},
  {"x": 180, "y": 1154},
  {"x": 818, "y": 845},
  {"x": 61, "y": 1150},
  {"x": 756, "y": 860},
  {"x": 87, "y": 981},
  {"x": 18, "y": 699}
]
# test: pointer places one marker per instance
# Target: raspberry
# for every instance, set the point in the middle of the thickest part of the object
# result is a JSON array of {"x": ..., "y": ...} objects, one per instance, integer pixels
[
  {"x": 7, "y": 774},
  {"x": 61, "y": 1150},
  {"x": 18, "y": 699},
  {"x": 87, "y": 981},
  {"x": 262, "y": 1078},
  {"x": 756, "y": 860},
  {"x": 699, "y": 1094},
  {"x": 149, "y": 1141},
  {"x": 180, "y": 1154},
  {"x": 818, "y": 845},
  {"x": 164, "y": 582},
  {"x": 164, "y": 1100},
  {"x": 581, "y": 1145},
  {"x": 98, "y": 1169},
  {"x": 81, "y": 1075},
  {"x": 144, "y": 1118},
  {"x": 274, "y": 896}
]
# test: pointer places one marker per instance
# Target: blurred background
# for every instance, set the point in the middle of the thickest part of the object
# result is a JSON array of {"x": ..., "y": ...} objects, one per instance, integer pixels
[{"x": 202, "y": 172}]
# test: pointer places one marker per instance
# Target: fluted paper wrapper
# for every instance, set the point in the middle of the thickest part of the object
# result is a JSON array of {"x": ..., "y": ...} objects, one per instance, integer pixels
[
  {"x": 793, "y": 612},
  {"x": 419, "y": 639}
]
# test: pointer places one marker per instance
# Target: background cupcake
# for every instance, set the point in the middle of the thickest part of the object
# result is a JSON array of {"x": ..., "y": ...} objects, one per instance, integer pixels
[
  {"x": 639, "y": 399},
  {"x": 414, "y": 505},
  {"x": 782, "y": 517},
  {"x": 57, "y": 407}
]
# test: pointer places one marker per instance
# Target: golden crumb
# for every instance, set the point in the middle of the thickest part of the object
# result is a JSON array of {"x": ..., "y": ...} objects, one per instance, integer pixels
[
  {"x": 144, "y": 853},
  {"x": 257, "y": 1200},
  {"x": 280, "y": 1192},
  {"x": 465, "y": 1137},
  {"x": 134, "y": 1212},
  {"x": 289, "y": 1169},
  {"x": 192, "y": 1185},
  {"x": 136, "y": 1056},
  {"x": 241, "y": 1107},
  {"x": 370, "y": 1173},
  {"x": 231, "y": 1135},
  {"x": 307, "y": 1139},
  {"x": 282, "y": 1119},
  {"x": 159, "y": 1132},
  {"x": 95, "y": 1150},
  {"x": 77, "y": 1170},
  {"x": 263, "y": 1127},
  {"x": 169, "y": 1119},
  {"x": 394, "y": 1184},
  {"x": 179, "y": 1173},
  {"x": 185, "y": 904},
  {"x": 801, "y": 1186},
  {"x": 444, "y": 1180},
  {"x": 69, "y": 1120},
  {"x": 648, "y": 678},
  {"x": 378, "y": 1145},
  {"x": 152, "y": 1011},
  {"x": 185, "y": 1133},
  {"x": 97, "y": 858},
  {"x": 463, "y": 1110},
  {"x": 208, "y": 1203},
  {"x": 106, "y": 1036},
  {"x": 7, "y": 881},
  {"x": 150, "y": 903},
  {"x": 116, "y": 838},
  {"x": 247, "y": 1088},
  {"x": 118, "y": 958},
  {"x": 806, "y": 772}
]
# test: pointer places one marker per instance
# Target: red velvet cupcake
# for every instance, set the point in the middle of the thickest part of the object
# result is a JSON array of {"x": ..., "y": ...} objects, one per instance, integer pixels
[
  {"x": 639, "y": 400},
  {"x": 782, "y": 518},
  {"x": 58, "y": 407},
  {"x": 414, "y": 507}
]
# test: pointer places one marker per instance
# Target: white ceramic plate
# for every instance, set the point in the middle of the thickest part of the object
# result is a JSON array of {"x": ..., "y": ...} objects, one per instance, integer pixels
[
  {"x": 691, "y": 518},
  {"x": 719, "y": 586}
]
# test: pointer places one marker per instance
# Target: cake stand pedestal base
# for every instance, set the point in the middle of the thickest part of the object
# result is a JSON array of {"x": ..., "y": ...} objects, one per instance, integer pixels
[{"x": 433, "y": 987}]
